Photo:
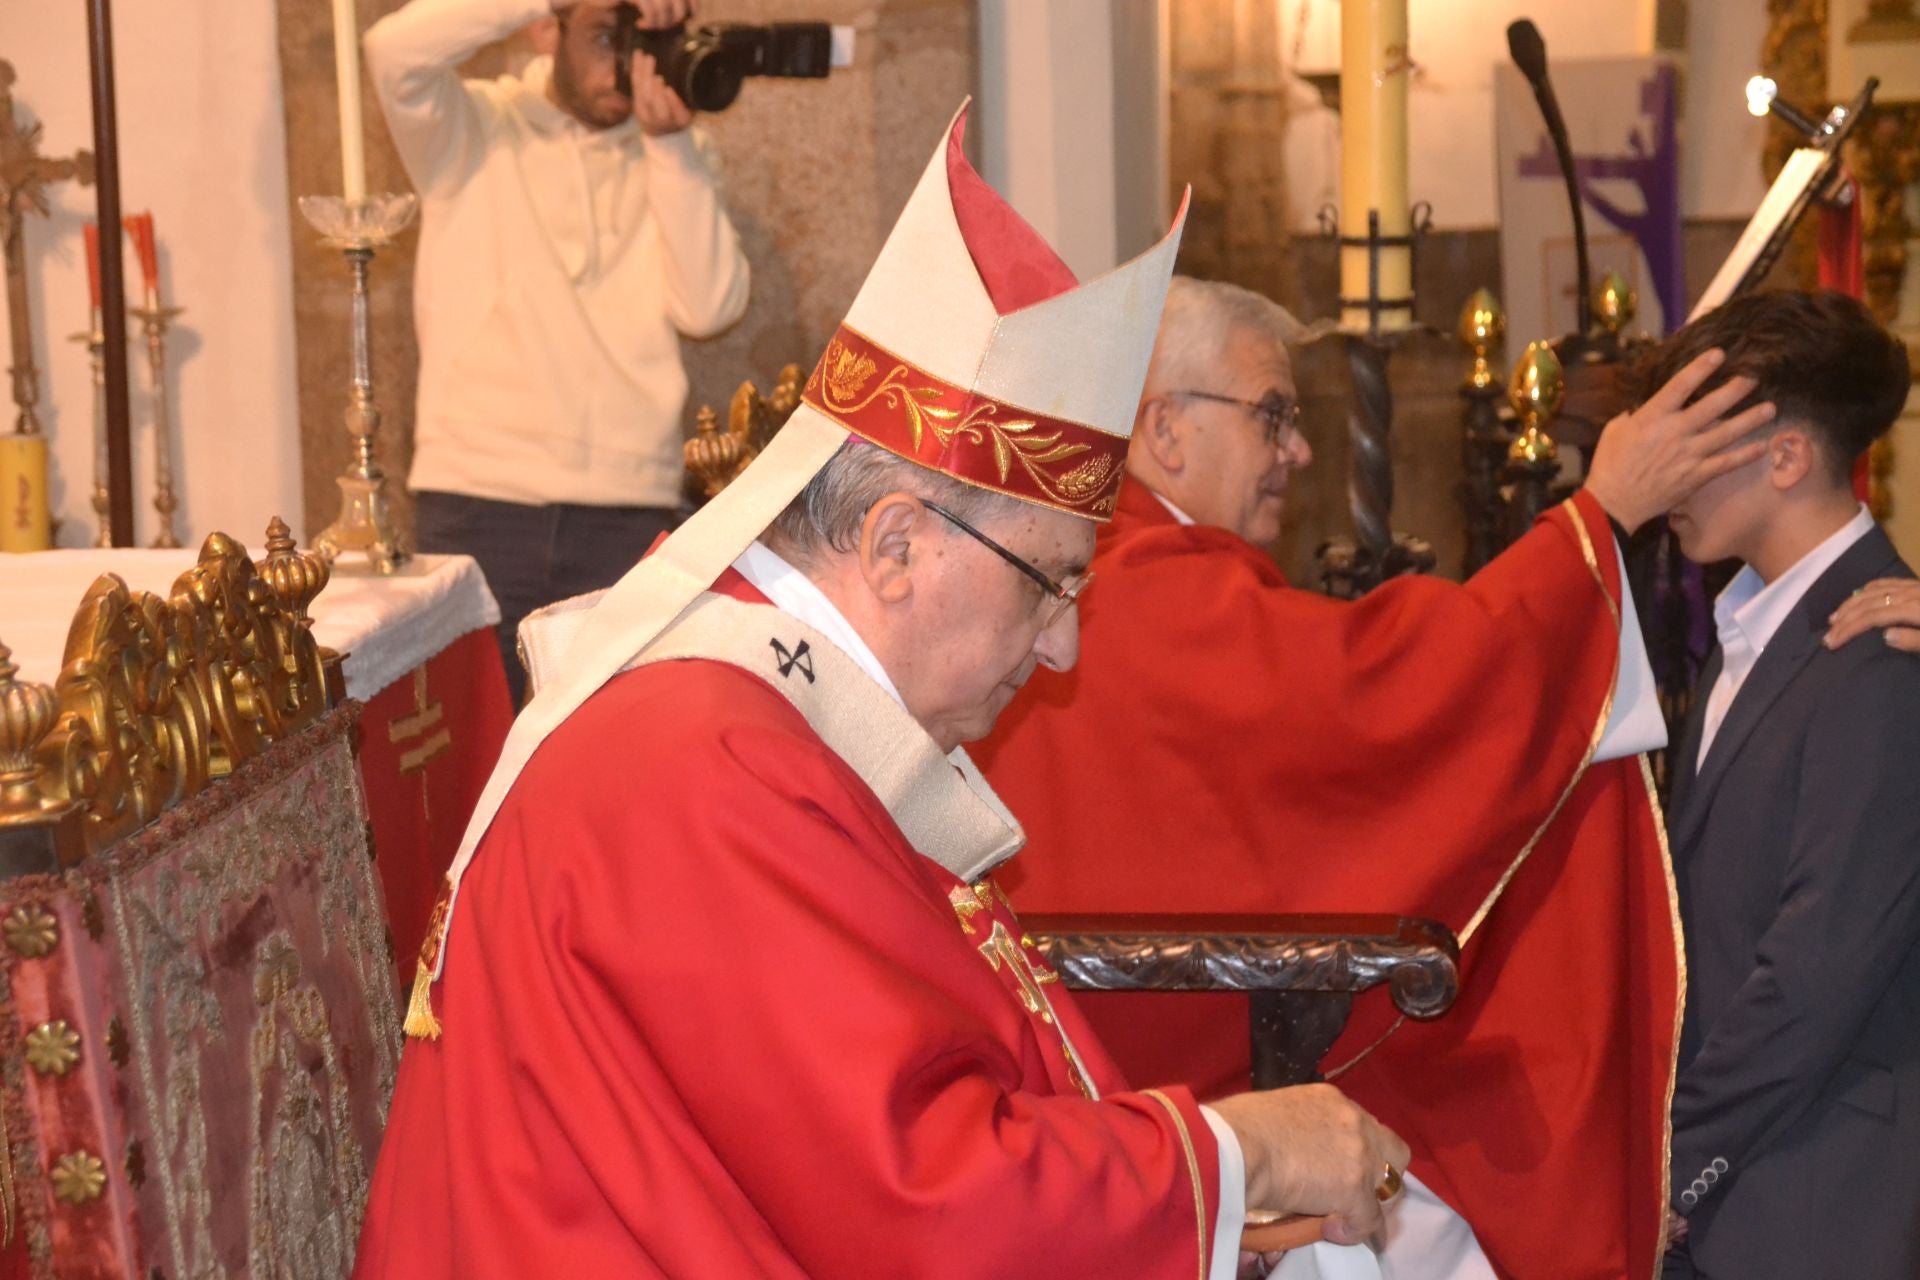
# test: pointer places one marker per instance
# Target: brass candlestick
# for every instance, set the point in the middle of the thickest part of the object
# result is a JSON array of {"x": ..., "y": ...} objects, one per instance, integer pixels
[
  {"x": 154, "y": 320},
  {"x": 1614, "y": 303},
  {"x": 1484, "y": 445},
  {"x": 1533, "y": 461},
  {"x": 358, "y": 228}
]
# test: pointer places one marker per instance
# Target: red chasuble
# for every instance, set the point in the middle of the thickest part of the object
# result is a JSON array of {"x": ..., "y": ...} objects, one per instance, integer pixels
[
  {"x": 707, "y": 1014},
  {"x": 1229, "y": 744}
]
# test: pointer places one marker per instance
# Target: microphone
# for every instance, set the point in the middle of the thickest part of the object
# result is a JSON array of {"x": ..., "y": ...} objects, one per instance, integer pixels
[{"x": 1529, "y": 53}]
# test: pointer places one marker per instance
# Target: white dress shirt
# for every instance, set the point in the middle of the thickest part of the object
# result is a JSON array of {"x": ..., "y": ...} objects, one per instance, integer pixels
[{"x": 1749, "y": 612}]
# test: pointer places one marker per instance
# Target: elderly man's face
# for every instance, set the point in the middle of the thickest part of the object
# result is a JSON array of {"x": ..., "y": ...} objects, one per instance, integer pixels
[
  {"x": 979, "y": 626},
  {"x": 1238, "y": 460}
]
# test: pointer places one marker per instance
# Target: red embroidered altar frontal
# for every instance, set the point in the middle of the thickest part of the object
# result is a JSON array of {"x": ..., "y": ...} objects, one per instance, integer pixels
[{"x": 202, "y": 1034}]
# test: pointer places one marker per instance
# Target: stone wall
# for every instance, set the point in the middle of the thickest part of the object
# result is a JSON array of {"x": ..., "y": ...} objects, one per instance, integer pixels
[{"x": 814, "y": 172}]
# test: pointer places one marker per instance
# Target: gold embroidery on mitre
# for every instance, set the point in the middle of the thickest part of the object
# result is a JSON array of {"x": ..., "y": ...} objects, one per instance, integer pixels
[
  {"x": 952, "y": 413},
  {"x": 845, "y": 371}
]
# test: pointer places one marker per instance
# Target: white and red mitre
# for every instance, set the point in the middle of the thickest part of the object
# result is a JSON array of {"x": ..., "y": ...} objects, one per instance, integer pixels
[{"x": 971, "y": 350}]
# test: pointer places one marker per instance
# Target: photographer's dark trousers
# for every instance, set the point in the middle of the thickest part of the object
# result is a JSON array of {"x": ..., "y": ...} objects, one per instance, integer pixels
[{"x": 535, "y": 555}]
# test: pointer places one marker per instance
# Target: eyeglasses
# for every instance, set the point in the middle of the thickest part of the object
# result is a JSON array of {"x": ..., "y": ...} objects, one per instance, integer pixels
[
  {"x": 1278, "y": 416},
  {"x": 1057, "y": 597}
]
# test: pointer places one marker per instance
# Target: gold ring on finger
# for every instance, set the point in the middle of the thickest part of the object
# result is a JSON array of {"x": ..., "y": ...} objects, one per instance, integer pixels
[{"x": 1390, "y": 1184}]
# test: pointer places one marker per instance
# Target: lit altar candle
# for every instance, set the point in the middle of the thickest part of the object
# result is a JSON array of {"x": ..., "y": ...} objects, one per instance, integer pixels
[
  {"x": 1374, "y": 69},
  {"x": 346, "y": 74}
]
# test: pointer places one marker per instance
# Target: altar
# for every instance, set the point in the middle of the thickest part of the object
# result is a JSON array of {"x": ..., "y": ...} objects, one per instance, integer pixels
[{"x": 417, "y": 649}]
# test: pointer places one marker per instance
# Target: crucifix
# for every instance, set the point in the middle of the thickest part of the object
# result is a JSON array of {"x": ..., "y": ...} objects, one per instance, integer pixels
[{"x": 24, "y": 176}]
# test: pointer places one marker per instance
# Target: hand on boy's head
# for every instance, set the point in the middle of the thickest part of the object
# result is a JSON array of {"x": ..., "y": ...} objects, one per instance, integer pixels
[
  {"x": 1890, "y": 605},
  {"x": 1649, "y": 460}
]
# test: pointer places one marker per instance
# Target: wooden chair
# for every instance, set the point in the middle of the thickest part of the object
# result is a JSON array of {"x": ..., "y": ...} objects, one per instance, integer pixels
[{"x": 1300, "y": 972}]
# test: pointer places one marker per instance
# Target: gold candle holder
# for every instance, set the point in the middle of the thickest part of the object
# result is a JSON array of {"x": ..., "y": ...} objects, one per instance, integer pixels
[
  {"x": 1535, "y": 391},
  {"x": 1483, "y": 324},
  {"x": 1615, "y": 303}
]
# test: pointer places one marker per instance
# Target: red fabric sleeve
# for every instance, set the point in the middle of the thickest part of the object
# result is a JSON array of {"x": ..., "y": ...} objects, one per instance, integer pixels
[
  {"x": 708, "y": 1015},
  {"x": 1229, "y": 744}
]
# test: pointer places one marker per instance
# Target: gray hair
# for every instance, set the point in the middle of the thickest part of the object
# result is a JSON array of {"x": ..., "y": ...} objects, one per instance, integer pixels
[
  {"x": 828, "y": 513},
  {"x": 1199, "y": 319}
]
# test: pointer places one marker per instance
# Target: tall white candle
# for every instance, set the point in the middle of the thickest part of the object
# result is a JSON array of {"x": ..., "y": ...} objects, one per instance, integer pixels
[
  {"x": 1373, "y": 153},
  {"x": 346, "y": 74}
]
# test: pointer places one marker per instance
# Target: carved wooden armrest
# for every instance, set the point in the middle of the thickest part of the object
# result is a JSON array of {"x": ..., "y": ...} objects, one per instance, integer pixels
[
  {"x": 1418, "y": 959},
  {"x": 1301, "y": 972}
]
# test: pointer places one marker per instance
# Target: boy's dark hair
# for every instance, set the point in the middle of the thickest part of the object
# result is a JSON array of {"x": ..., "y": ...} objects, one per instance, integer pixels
[{"x": 1820, "y": 357}]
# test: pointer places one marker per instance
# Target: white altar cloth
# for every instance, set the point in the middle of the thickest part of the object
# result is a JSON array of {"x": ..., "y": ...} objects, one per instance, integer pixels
[{"x": 386, "y": 626}]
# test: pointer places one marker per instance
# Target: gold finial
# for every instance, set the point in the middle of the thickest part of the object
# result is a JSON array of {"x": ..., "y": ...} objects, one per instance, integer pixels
[
  {"x": 295, "y": 577},
  {"x": 27, "y": 713},
  {"x": 714, "y": 456},
  {"x": 1535, "y": 391},
  {"x": 1614, "y": 302},
  {"x": 1482, "y": 325}
]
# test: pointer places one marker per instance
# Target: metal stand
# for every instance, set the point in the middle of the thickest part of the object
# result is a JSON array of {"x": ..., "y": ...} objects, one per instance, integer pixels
[
  {"x": 358, "y": 228},
  {"x": 1483, "y": 448},
  {"x": 154, "y": 320},
  {"x": 102, "y": 500}
]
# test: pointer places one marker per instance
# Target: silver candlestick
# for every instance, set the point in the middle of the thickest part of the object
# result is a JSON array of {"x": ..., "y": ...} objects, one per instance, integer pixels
[
  {"x": 154, "y": 320},
  {"x": 358, "y": 228},
  {"x": 96, "y": 344}
]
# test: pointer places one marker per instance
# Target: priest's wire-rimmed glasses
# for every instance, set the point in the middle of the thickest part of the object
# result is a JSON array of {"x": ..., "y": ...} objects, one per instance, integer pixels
[
  {"x": 1058, "y": 597},
  {"x": 1278, "y": 416}
]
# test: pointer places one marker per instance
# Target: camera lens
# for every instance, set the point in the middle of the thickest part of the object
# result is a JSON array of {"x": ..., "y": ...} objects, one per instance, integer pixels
[{"x": 710, "y": 79}]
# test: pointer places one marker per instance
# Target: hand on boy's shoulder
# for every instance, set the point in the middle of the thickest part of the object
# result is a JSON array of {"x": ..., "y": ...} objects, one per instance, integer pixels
[{"x": 1888, "y": 605}]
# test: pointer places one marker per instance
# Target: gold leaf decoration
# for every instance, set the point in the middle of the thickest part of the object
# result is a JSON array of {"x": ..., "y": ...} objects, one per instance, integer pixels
[
  {"x": 52, "y": 1048},
  {"x": 847, "y": 371},
  {"x": 31, "y": 930},
  {"x": 79, "y": 1177},
  {"x": 1087, "y": 479}
]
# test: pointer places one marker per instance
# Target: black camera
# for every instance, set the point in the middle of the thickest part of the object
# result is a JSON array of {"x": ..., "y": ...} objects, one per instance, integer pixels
[{"x": 705, "y": 64}]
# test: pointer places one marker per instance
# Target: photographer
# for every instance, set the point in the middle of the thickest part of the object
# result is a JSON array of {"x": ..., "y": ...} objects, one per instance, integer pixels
[{"x": 568, "y": 231}]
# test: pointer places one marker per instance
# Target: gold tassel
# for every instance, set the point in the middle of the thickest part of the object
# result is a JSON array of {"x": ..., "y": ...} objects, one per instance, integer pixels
[{"x": 420, "y": 1023}]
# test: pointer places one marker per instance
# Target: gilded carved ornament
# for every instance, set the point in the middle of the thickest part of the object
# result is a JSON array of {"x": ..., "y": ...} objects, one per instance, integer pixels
[
  {"x": 158, "y": 696},
  {"x": 715, "y": 457}
]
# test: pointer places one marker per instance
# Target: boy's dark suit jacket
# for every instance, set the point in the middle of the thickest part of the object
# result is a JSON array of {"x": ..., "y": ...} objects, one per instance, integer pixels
[{"x": 1797, "y": 847}]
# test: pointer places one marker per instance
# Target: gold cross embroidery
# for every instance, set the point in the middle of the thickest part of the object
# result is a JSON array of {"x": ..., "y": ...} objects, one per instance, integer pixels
[
  {"x": 999, "y": 948},
  {"x": 425, "y": 716}
]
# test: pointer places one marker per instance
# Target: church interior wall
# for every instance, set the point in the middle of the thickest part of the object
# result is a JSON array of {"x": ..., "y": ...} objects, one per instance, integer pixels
[
  {"x": 1090, "y": 115},
  {"x": 202, "y": 147}
]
